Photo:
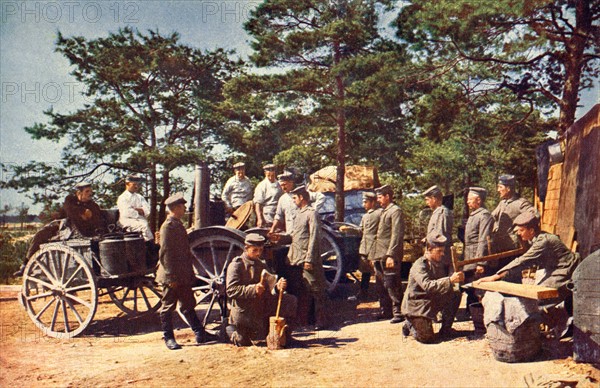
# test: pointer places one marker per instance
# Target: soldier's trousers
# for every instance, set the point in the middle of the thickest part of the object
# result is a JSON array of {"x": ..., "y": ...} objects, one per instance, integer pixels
[
  {"x": 389, "y": 288},
  {"x": 306, "y": 286},
  {"x": 171, "y": 295}
]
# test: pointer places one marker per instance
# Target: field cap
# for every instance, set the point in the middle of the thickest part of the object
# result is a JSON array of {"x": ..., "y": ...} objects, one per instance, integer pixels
[
  {"x": 478, "y": 191},
  {"x": 526, "y": 219},
  {"x": 369, "y": 195},
  {"x": 437, "y": 240},
  {"x": 134, "y": 178},
  {"x": 255, "y": 239},
  {"x": 433, "y": 191},
  {"x": 285, "y": 176},
  {"x": 507, "y": 180},
  {"x": 269, "y": 167},
  {"x": 175, "y": 199},
  {"x": 82, "y": 185},
  {"x": 239, "y": 165},
  {"x": 300, "y": 190},
  {"x": 384, "y": 190}
]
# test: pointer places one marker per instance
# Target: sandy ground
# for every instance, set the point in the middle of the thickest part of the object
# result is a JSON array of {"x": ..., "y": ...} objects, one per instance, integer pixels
[{"x": 359, "y": 351}]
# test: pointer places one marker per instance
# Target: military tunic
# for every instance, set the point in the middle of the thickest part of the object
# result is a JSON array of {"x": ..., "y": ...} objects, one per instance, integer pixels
[
  {"x": 390, "y": 234},
  {"x": 554, "y": 260},
  {"x": 426, "y": 293},
  {"x": 74, "y": 210},
  {"x": 440, "y": 224},
  {"x": 175, "y": 269},
  {"x": 478, "y": 229},
  {"x": 389, "y": 244},
  {"x": 267, "y": 195},
  {"x": 236, "y": 192},
  {"x": 503, "y": 236},
  {"x": 369, "y": 224}
]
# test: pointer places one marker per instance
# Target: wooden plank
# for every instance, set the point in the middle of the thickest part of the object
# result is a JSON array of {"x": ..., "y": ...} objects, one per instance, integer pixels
[{"x": 525, "y": 290}]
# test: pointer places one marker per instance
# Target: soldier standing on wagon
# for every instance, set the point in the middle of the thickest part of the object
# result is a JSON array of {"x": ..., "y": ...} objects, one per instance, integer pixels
[
  {"x": 237, "y": 190},
  {"x": 265, "y": 199},
  {"x": 387, "y": 254},
  {"x": 176, "y": 273}
]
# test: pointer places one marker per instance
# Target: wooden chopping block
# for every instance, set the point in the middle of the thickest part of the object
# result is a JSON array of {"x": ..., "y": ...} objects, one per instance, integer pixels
[{"x": 276, "y": 339}]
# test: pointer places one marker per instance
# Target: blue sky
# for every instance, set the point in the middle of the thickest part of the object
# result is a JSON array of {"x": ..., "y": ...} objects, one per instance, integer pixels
[{"x": 34, "y": 78}]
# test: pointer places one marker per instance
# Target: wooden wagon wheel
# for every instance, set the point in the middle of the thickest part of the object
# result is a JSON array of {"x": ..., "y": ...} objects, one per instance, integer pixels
[
  {"x": 332, "y": 260},
  {"x": 59, "y": 291},
  {"x": 214, "y": 248},
  {"x": 136, "y": 296}
]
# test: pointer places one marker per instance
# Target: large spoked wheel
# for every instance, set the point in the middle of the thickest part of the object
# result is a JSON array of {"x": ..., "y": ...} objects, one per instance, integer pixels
[
  {"x": 332, "y": 261},
  {"x": 214, "y": 248},
  {"x": 59, "y": 291},
  {"x": 137, "y": 296}
]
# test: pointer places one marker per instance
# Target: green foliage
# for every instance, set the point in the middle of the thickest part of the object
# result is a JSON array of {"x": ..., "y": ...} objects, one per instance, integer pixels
[
  {"x": 152, "y": 107},
  {"x": 12, "y": 252}
]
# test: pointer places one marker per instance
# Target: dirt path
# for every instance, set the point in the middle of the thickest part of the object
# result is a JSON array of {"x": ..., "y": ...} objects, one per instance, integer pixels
[{"x": 360, "y": 352}]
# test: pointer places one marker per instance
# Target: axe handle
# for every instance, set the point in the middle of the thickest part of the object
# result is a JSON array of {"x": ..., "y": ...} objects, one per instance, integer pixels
[
  {"x": 279, "y": 304},
  {"x": 455, "y": 264}
]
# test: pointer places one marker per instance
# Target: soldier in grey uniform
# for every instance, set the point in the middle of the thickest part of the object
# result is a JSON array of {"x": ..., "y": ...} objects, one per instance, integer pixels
[
  {"x": 252, "y": 303},
  {"x": 304, "y": 266},
  {"x": 387, "y": 254},
  {"x": 440, "y": 223},
  {"x": 554, "y": 261},
  {"x": 511, "y": 205},
  {"x": 368, "y": 225},
  {"x": 176, "y": 274},
  {"x": 477, "y": 231},
  {"x": 555, "y": 266},
  {"x": 237, "y": 190},
  {"x": 428, "y": 293},
  {"x": 266, "y": 196}
]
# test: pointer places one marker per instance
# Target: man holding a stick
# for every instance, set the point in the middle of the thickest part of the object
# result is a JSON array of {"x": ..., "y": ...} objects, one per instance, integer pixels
[{"x": 252, "y": 294}]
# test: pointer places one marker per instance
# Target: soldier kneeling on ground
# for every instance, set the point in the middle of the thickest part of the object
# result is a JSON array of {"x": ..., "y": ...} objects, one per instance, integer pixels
[
  {"x": 253, "y": 302},
  {"x": 428, "y": 293}
]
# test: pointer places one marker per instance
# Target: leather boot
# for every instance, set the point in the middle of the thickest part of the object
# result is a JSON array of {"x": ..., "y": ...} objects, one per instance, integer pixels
[
  {"x": 397, "y": 318},
  {"x": 364, "y": 286},
  {"x": 196, "y": 326},
  {"x": 168, "y": 335}
]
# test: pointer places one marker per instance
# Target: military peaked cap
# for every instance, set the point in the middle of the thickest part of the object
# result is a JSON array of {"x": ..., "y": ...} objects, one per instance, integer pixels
[
  {"x": 433, "y": 191},
  {"x": 82, "y": 185},
  {"x": 369, "y": 195},
  {"x": 478, "y": 191},
  {"x": 239, "y": 165},
  {"x": 436, "y": 240},
  {"x": 175, "y": 199},
  {"x": 269, "y": 167},
  {"x": 285, "y": 176},
  {"x": 300, "y": 190},
  {"x": 506, "y": 180},
  {"x": 255, "y": 239},
  {"x": 526, "y": 219},
  {"x": 384, "y": 190},
  {"x": 134, "y": 178}
]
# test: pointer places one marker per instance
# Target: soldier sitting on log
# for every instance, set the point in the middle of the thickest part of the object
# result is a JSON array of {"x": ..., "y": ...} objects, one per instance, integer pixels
[
  {"x": 252, "y": 302},
  {"x": 428, "y": 293}
]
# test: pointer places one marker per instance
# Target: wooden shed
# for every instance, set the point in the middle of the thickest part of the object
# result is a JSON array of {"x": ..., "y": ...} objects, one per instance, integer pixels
[{"x": 572, "y": 204}]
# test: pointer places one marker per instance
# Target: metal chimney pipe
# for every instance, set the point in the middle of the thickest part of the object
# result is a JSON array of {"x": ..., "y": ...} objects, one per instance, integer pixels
[{"x": 201, "y": 196}]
